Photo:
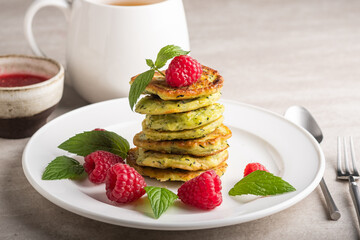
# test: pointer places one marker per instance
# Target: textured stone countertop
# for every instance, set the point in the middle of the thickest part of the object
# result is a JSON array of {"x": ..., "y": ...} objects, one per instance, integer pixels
[{"x": 272, "y": 54}]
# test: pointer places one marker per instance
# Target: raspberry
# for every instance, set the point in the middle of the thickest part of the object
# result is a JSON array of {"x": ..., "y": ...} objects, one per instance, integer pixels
[
  {"x": 97, "y": 164},
  {"x": 99, "y": 129},
  {"x": 124, "y": 184},
  {"x": 183, "y": 70},
  {"x": 251, "y": 167},
  {"x": 203, "y": 192}
]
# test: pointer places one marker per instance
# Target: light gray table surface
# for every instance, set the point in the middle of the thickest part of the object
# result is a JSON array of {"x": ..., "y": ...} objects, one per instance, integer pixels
[{"x": 272, "y": 54}]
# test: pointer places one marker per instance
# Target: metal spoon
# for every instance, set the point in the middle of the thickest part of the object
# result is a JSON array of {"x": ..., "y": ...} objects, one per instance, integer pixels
[{"x": 302, "y": 117}]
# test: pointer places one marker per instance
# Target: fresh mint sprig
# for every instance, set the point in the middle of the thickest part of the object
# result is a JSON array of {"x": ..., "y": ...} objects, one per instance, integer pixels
[
  {"x": 87, "y": 142},
  {"x": 142, "y": 80},
  {"x": 261, "y": 183},
  {"x": 63, "y": 167},
  {"x": 139, "y": 85},
  {"x": 168, "y": 52},
  {"x": 160, "y": 199}
]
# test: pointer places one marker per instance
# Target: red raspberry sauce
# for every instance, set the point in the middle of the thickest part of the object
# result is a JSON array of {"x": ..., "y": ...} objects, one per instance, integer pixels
[{"x": 20, "y": 79}]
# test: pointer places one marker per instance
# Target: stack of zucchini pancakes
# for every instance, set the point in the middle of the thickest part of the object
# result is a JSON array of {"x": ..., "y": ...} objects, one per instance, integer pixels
[{"x": 182, "y": 134}]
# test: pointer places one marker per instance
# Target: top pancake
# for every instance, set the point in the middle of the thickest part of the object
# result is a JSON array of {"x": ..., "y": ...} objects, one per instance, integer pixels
[{"x": 210, "y": 82}]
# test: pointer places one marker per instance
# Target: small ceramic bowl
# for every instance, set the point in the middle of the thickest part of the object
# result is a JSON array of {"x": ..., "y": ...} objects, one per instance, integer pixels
[{"x": 24, "y": 109}]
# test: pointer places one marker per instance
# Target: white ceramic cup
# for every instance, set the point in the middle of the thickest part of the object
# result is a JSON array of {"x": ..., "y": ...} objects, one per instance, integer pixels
[{"x": 107, "y": 44}]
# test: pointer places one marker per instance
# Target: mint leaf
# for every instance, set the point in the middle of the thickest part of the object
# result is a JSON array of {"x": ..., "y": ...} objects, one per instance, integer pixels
[
  {"x": 87, "y": 142},
  {"x": 160, "y": 199},
  {"x": 63, "y": 167},
  {"x": 150, "y": 63},
  {"x": 139, "y": 85},
  {"x": 261, "y": 183},
  {"x": 166, "y": 53}
]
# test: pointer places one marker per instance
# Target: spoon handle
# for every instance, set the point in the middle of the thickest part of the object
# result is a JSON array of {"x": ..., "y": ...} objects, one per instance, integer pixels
[{"x": 333, "y": 210}]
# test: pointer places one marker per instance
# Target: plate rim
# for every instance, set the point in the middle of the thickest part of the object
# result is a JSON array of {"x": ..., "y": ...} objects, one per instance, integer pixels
[{"x": 214, "y": 223}]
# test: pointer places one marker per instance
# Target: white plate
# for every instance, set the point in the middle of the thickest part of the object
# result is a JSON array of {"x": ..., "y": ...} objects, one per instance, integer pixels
[{"x": 258, "y": 136}]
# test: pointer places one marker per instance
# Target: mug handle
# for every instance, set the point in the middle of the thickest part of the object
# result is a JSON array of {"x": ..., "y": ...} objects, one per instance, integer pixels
[{"x": 64, "y": 5}]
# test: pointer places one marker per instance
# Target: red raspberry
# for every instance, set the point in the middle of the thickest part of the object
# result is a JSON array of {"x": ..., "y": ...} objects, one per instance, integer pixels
[
  {"x": 124, "y": 184},
  {"x": 183, "y": 71},
  {"x": 203, "y": 192},
  {"x": 97, "y": 164},
  {"x": 251, "y": 167},
  {"x": 99, "y": 129}
]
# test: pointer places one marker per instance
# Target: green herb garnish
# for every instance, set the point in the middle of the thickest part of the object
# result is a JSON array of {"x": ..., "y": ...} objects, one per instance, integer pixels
[
  {"x": 63, "y": 167},
  {"x": 87, "y": 142},
  {"x": 142, "y": 80},
  {"x": 261, "y": 183},
  {"x": 160, "y": 199}
]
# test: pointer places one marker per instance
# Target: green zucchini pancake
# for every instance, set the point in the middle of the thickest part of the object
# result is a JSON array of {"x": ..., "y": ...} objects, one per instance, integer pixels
[
  {"x": 153, "y": 105},
  {"x": 185, "y": 162},
  {"x": 184, "y": 134},
  {"x": 186, "y": 120},
  {"x": 210, "y": 82},
  {"x": 205, "y": 146},
  {"x": 169, "y": 174}
]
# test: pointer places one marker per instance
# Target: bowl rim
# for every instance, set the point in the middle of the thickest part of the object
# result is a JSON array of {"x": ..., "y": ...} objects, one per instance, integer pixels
[{"x": 57, "y": 76}]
